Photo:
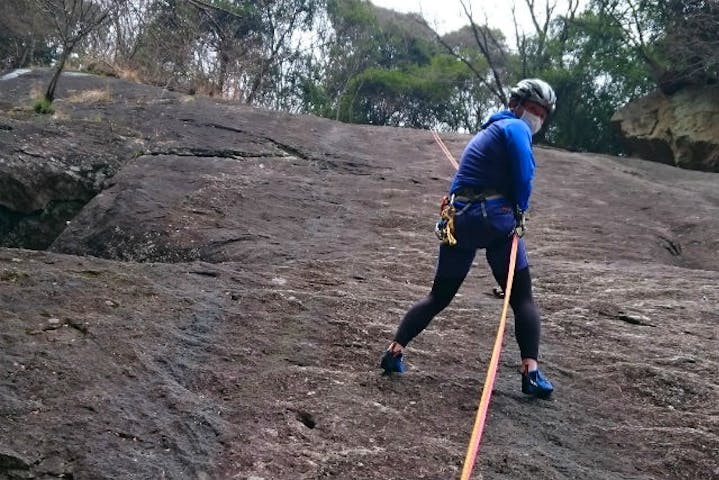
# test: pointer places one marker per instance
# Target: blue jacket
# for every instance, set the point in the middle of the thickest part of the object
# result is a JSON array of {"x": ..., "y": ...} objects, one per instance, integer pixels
[{"x": 500, "y": 158}]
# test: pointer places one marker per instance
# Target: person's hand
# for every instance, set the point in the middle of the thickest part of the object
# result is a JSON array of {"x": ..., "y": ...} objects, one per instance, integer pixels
[{"x": 520, "y": 227}]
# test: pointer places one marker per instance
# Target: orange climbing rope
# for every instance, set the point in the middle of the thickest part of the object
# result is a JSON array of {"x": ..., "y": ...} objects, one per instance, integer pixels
[
  {"x": 481, "y": 418},
  {"x": 491, "y": 372},
  {"x": 444, "y": 149}
]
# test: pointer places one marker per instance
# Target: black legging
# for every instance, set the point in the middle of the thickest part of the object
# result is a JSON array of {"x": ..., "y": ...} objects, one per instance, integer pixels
[{"x": 526, "y": 316}]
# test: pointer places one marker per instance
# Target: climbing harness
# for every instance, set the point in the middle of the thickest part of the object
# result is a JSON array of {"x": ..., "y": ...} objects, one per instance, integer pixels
[
  {"x": 444, "y": 228},
  {"x": 481, "y": 417}
]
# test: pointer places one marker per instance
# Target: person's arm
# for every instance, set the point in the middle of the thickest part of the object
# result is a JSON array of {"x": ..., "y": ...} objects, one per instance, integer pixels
[{"x": 519, "y": 149}]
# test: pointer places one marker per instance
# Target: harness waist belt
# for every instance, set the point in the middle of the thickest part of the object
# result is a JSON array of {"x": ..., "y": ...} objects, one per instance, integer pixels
[{"x": 473, "y": 195}]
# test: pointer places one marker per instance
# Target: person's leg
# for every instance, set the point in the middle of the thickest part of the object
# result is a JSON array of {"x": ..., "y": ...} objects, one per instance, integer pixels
[
  {"x": 526, "y": 316},
  {"x": 453, "y": 265},
  {"x": 421, "y": 314}
]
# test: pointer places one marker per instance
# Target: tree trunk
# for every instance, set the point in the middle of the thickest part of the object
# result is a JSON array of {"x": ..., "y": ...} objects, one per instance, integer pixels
[
  {"x": 28, "y": 49},
  {"x": 50, "y": 93},
  {"x": 222, "y": 74}
]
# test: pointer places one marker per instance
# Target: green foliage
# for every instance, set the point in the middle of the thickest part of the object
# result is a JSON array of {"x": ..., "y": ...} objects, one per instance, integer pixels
[
  {"x": 582, "y": 119},
  {"x": 346, "y": 14},
  {"x": 25, "y": 36},
  {"x": 43, "y": 106},
  {"x": 676, "y": 40},
  {"x": 597, "y": 61},
  {"x": 594, "y": 72},
  {"x": 418, "y": 96},
  {"x": 363, "y": 41},
  {"x": 352, "y": 61},
  {"x": 161, "y": 54},
  {"x": 689, "y": 40},
  {"x": 387, "y": 69}
]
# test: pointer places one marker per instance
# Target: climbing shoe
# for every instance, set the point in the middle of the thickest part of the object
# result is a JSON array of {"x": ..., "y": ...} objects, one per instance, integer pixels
[
  {"x": 391, "y": 363},
  {"x": 534, "y": 383}
]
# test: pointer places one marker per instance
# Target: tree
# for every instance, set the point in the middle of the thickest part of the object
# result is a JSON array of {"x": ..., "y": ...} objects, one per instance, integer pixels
[
  {"x": 353, "y": 61},
  {"x": 119, "y": 41},
  {"x": 357, "y": 43},
  {"x": 72, "y": 20},
  {"x": 417, "y": 96},
  {"x": 589, "y": 81},
  {"x": 23, "y": 36},
  {"x": 231, "y": 32},
  {"x": 168, "y": 46},
  {"x": 247, "y": 46},
  {"x": 485, "y": 51},
  {"x": 690, "y": 44},
  {"x": 490, "y": 68},
  {"x": 676, "y": 40},
  {"x": 385, "y": 68},
  {"x": 547, "y": 44}
]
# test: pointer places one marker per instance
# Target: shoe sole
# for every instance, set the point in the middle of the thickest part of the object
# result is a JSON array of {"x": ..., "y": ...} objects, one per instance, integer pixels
[{"x": 542, "y": 395}]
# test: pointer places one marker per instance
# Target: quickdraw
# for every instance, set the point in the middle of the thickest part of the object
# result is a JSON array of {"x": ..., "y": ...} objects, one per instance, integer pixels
[{"x": 444, "y": 229}]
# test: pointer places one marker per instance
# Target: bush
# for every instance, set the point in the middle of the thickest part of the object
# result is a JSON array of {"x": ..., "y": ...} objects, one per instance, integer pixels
[{"x": 43, "y": 106}]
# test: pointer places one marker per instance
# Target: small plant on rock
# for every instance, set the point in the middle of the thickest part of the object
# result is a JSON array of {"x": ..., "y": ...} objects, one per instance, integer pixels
[{"x": 43, "y": 106}]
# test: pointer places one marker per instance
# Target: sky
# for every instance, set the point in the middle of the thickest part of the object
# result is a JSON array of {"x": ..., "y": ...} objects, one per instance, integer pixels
[{"x": 449, "y": 16}]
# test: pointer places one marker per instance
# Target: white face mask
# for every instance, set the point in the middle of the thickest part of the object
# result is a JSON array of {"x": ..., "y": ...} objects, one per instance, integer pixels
[{"x": 534, "y": 122}]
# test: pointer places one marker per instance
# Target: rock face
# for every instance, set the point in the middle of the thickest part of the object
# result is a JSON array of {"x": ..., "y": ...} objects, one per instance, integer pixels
[
  {"x": 49, "y": 172},
  {"x": 218, "y": 309},
  {"x": 681, "y": 129}
]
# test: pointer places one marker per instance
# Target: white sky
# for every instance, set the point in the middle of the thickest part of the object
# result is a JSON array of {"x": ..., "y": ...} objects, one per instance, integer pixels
[{"x": 449, "y": 16}]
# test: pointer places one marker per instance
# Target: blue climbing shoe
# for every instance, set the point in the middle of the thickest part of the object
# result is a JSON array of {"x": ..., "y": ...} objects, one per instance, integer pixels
[
  {"x": 534, "y": 383},
  {"x": 391, "y": 363}
]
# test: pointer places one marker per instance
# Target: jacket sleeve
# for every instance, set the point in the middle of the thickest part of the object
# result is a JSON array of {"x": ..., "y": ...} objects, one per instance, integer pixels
[{"x": 521, "y": 161}]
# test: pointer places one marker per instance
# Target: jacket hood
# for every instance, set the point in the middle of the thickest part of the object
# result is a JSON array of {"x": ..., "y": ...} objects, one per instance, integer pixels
[{"x": 504, "y": 114}]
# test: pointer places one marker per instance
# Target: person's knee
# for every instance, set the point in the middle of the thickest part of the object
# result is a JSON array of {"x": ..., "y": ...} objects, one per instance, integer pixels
[
  {"x": 443, "y": 291},
  {"x": 522, "y": 303},
  {"x": 440, "y": 300},
  {"x": 525, "y": 311},
  {"x": 521, "y": 288}
]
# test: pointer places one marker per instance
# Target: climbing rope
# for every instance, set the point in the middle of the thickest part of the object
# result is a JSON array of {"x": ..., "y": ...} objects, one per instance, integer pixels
[
  {"x": 483, "y": 408},
  {"x": 491, "y": 372},
  {"x": 444, "y": 149}
]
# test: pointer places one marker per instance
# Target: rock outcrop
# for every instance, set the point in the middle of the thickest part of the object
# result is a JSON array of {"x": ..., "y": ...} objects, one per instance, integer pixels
[
  {"x": 218, "y": 309},
  {"x": 50, "y": 170},
  {"x": 681, "y": 129}
]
